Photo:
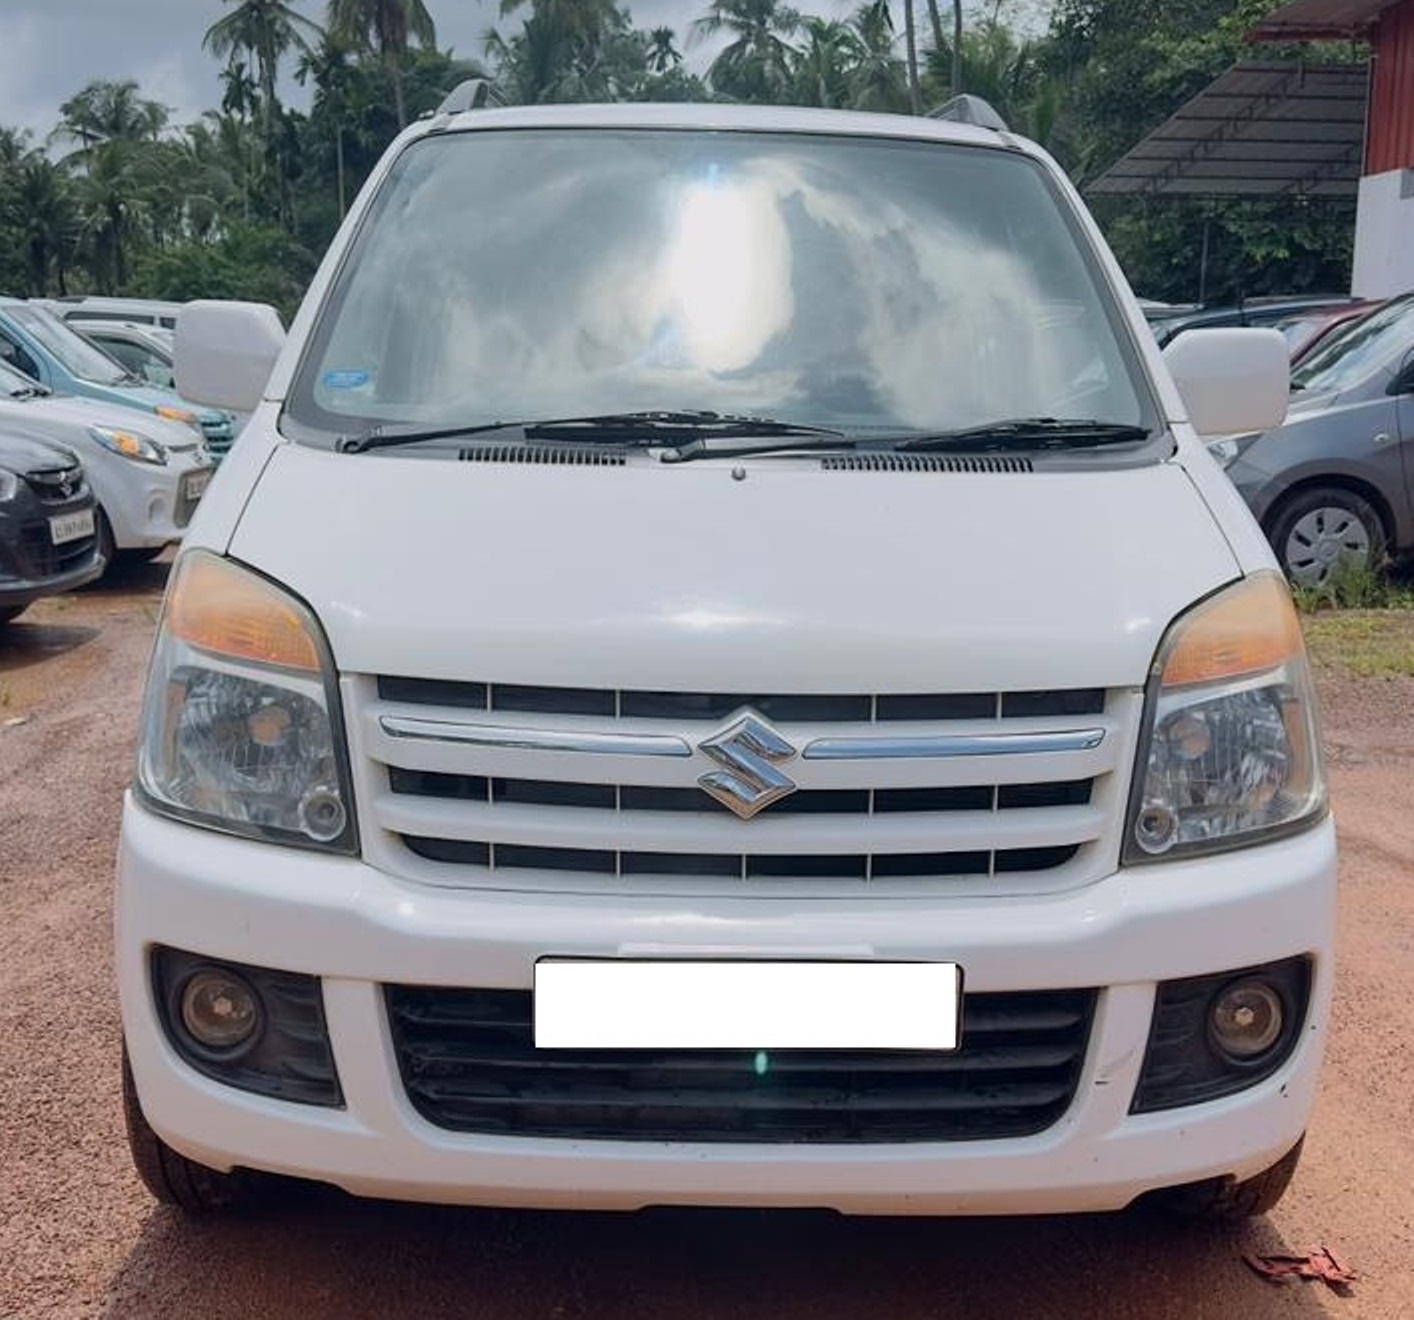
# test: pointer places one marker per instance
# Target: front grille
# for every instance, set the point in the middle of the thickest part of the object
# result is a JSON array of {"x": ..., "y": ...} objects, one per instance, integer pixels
[
  {"x": 468, "y": 1063},
  {"x": 742, "y": 866},
  {"x": 787, "y": 708},
  {"x": 219, "y": 434},
  {"x": 511, "y": 785},
  {"x": 39, "y": 557},
  {"x": 628, "y": 797},
  {"x": 57, "y": 485}
]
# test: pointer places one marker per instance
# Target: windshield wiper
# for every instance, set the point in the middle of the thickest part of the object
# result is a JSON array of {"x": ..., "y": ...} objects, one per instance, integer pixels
[
  {"x": 1030, "y": 433},
  {"x": 631, "y": 428}
]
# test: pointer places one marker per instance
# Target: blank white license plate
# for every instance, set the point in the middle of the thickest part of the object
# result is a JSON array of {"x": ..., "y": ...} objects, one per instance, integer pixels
[
  {"x": 197, "y": 482},
  {"x": 710, "y": 1005},
  {"x": 71, "y": 526}
]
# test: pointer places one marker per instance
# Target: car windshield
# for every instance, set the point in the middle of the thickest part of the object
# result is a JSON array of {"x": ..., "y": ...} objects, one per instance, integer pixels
[
  {"x": 869, "y": 285},
  {"x": 1371, "y": 343},
  {"x": 74, "y": 353}
]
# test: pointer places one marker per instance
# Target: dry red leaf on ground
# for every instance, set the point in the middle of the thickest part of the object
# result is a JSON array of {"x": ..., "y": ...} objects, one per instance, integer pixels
[{"x": 1320, "y": 1263}]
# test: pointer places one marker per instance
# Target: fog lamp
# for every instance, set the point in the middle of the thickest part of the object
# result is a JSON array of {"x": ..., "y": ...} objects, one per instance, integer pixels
[
  {"x": 220, "y": 1009},
  {"x": 322, "y": 814},
  {"x": 1246, "y": 1019}
]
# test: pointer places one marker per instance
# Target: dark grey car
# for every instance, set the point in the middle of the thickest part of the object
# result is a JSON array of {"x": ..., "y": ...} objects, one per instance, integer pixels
[{"x": 1335, "y": 482}]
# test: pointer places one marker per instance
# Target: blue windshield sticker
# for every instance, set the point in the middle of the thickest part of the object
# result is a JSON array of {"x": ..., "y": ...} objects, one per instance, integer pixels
[{"x": 345, "y": 378}]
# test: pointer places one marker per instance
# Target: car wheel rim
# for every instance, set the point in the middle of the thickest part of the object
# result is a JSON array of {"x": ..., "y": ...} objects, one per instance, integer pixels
[{"x": 1322, "y": 539}]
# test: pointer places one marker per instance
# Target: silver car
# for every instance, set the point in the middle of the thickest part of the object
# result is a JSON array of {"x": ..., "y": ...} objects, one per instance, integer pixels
[
  {"x": 1335, "y": 482},
  {"x": 148, "y": 474}
]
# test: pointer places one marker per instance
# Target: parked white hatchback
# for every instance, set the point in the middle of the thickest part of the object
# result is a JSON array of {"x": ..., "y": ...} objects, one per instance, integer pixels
[
  {"x": 720, "y": 672},
  {"x": 148, "y": 474}
]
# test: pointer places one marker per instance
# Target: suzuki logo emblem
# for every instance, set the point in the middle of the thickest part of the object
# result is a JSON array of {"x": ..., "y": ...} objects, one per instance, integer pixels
[{"x": 748, "y": 753}]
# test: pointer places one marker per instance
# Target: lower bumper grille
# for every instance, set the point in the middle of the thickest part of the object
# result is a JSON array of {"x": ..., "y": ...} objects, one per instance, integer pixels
[
  {"x": 40, "y": 558},
  {"x": 469, "y": 1065}
]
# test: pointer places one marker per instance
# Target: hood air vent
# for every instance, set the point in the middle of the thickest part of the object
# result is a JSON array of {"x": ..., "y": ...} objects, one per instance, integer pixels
[
  {"x": 553, "y": 455},
  {"x": 924, "y": 463}
]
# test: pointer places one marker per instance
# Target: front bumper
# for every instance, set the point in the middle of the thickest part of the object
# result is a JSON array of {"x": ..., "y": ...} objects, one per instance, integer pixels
[
  {"x": 357, "y": 929},
  {"x": 147, "y": 506},
  {"x": 31, "y": 566}
]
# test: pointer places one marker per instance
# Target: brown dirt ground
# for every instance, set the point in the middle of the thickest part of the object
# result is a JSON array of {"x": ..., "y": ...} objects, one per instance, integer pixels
[{"x": 79, "y": 1237}]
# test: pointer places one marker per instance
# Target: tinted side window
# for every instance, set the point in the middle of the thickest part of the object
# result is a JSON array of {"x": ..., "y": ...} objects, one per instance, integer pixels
[{"x": 17, "y": 356}]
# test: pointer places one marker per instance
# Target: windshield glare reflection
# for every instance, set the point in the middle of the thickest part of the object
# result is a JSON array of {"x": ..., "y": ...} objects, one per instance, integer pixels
[{"x": 860, "y": 284}]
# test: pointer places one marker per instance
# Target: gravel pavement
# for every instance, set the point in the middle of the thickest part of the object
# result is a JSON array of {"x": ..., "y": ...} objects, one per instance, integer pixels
[{"x": 79, "y": 1237}]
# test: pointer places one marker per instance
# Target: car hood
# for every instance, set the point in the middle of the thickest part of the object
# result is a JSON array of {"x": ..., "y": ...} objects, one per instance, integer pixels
[
  {"x": 23, "y": 453},
  {"x": 152, "y": 397},
  {"x": 67, "y": 417},
  {"x": 779, "y": 576}
]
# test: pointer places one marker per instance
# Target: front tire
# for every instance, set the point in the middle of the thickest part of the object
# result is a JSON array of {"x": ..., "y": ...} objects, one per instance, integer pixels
[
  {"x": 1319, "y": 530},
  {"x": 173, "y": 1178},
  {"x": 107, "y": 547},
  {"x": 1228, "y": 1201}
]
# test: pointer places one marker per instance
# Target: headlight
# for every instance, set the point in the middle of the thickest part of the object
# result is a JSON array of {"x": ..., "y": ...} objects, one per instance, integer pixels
[
  {"x": 130, "y": 444},
  {"x": 9, "y": 486},
  {"x": 1231, "y": 447},
  {"x": 241, "y": 729},
  {"x": 1230, "y": 754},
  {"x": 179, "y": 415}
]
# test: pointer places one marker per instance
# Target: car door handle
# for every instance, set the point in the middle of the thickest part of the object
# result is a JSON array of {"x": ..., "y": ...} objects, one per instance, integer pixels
[{"x": 1383, "y": 438}]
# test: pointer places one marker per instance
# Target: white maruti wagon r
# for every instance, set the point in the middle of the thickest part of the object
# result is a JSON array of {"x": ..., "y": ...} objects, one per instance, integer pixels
[{"x": 721, "y": 672}]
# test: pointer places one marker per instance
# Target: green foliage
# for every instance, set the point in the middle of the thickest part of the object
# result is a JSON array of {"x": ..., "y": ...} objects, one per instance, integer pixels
[
  {"x": 240, "y": 202},
  {"x": 1252, "y": 246},
  {"x": 259, "y": 262},
  {"x": 1354, "y": 584}
]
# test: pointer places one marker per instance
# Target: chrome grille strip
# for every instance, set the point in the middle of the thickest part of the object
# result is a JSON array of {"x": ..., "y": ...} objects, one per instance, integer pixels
[
  {"x": 535, "y": 740},
  {"x": 590, "y": 827},
  {"x": 944, "y": 746},
  {"x": 936, "y": 747}
]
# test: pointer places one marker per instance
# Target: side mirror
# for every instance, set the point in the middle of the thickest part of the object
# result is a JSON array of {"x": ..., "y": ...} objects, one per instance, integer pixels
[
  {"x": 1231, "y": 380},
  {"x": 224, "y": 352}
]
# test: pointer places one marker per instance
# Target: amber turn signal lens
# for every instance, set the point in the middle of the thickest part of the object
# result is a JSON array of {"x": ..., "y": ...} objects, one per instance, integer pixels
[
  {"x": 1248, "y": 629},
  {"x": 224, "y": 609}
]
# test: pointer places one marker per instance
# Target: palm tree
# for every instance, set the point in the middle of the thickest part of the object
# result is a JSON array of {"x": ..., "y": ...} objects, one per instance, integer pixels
[
  {"x": 878, "y": 80},
  {"x": 115, "y": 168},
  {"x": 915, "y": 95},
  {"x": 384, "y": 27},
  {"x": 110, "y": 112},
  {"x": 266, "y": 29},
  {"x": 825, "y": 66},
  {"x": 46, "y": 220},
  {"x": 955, "y": 83},
  {"x": 663, "y": 55},
  {"x": 756, "y": 65},
  {"x": 580, "y": 22}
]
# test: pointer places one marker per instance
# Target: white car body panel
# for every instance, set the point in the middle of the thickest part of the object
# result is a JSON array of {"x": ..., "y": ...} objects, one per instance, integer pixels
[
  {"x": 361, "y": 927},
  {"x": 929, "y": 604},
  {"x": 141, "y": 500}
]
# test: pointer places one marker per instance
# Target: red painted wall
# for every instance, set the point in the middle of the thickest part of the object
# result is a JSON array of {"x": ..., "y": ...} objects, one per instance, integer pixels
[{"x": 1389, "y": 143}]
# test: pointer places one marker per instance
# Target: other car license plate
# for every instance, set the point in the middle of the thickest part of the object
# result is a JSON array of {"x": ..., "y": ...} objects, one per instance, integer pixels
[
  {"x": 70, "y": 526},
  {"x": 196, "y": 484},
  {"x": 713, "y": 1004}
]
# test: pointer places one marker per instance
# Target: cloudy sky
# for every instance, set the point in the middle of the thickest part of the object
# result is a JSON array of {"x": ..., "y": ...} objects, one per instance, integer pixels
[{"x": 49, "y": 49}]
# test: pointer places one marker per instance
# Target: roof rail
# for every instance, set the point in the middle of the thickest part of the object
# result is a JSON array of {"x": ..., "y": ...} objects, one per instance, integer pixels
[
  {"x": 969, "y": 109},
  {"x": 473, "y": 94}
]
